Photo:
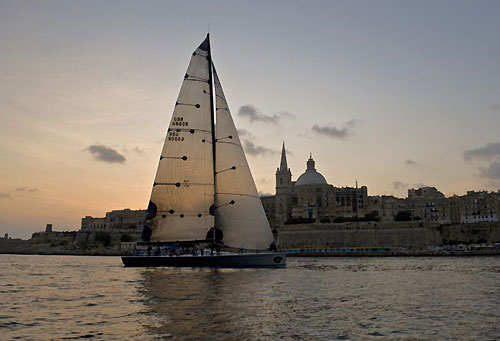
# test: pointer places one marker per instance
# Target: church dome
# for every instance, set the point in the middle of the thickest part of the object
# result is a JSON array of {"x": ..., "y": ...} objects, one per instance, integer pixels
[{"x": 311, "y": 176}]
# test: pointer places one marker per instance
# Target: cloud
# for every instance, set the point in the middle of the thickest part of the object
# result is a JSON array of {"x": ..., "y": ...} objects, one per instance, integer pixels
[
  {"x": 4, "y": 195},
  {"x": 352, "y": 123},
  {"x": 106, "y": 154},
  {"x": 334, "y": 132},
  {"x": 306, "y": 136},
  {"x": 256, "y": 150},
  {"x": 255, "y": 115},
  {"x": 488, "y": 152},
  {"x": 399, "y": 185},
  {"x": 495, "y": 106},
  {"x": 410, "y": 162},
  {"x": 137, "y": 150},
  {"x": 243, "y": 133},
  {"x": 27, "y": 189},
  {"x": 134, "y": 149},
  {"x": 285, "y": 114},
  {"x": 492, "y": 172}
]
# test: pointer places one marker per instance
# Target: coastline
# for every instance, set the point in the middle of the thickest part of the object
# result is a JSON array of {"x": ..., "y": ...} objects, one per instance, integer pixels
[
  {"x": 396, "y": 254},
  {"x": 406, "y": 253}
]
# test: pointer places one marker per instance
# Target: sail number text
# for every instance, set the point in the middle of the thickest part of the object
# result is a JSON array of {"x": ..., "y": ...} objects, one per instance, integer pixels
[{"x": 174, "y": 135}]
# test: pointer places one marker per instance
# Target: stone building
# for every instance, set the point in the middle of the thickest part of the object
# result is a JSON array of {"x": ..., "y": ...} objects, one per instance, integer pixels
[
  {"x": 475, "y": 207},
  {"x": 269, "y": 204},
  {"x": 117, "y": 219},
  {"x": 284, "y": 191},
  {"x": 430, "y": 205},
  {"x": 425, "y": 192},
  {"x": 386, "y": 206},
  {"x": 310, "y": 196}
]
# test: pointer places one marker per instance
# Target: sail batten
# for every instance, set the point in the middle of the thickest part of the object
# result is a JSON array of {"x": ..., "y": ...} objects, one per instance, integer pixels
[{"x": 239, "y": 212}]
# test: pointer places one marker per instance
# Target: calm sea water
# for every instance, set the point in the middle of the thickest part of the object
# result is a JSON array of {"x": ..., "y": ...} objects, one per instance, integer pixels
[{"x": 66, "y": 297}]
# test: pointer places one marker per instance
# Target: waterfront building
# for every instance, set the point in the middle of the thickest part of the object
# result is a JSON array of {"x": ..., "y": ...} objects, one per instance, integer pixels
[
  {"x": 426, "y": 192},
  {"x": 117, "y": 219},
  {"x": 386, "y": 206},
  {"x": 474, "y": 207},
  {"x": 284, "y": 191},
  {"x": 311, "y": 196}
]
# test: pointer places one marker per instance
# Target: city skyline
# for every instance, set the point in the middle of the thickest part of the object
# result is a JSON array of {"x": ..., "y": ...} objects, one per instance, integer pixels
[{"x": 393, "y": 95}]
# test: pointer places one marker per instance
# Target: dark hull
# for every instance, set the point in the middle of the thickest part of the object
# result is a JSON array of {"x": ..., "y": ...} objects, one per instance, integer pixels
[{"x": 248, "y": 260}]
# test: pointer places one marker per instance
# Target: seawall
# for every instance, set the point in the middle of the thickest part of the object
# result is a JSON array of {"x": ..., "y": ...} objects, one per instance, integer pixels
[{"x": 408, "y": 235}]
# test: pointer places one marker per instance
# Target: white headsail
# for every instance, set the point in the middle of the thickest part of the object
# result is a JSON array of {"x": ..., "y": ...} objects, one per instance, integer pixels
[
  {"x": 183, "y": 190},
  {"x": 239, "y": 212}
]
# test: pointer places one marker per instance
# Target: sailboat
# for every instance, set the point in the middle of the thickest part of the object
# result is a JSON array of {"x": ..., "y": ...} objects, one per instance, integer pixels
[{"x": 204, "y": 209}]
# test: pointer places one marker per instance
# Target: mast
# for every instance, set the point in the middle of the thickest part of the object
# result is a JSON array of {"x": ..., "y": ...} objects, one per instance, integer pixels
[{"x": 212, "y": 118}]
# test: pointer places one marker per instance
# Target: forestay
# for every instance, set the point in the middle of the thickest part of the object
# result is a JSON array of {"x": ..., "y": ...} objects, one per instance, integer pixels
[
  {"x": 183, "y": 190},
  {"x": 239, "y": 212}
]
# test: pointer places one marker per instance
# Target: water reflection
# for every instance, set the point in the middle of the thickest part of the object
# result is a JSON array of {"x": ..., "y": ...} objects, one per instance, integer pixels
[
  {"x": 201, "y": 303},
  {"x": 63, "y": 297}
]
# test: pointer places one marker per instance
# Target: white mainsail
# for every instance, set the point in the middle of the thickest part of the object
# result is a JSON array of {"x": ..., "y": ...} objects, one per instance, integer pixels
[
  {"x": 239, "y": 212},
  {"x": 183, "y": 190}
]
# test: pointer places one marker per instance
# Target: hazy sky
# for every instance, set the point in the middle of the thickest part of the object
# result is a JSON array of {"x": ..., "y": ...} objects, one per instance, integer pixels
[{"x": 393, "y": 94}]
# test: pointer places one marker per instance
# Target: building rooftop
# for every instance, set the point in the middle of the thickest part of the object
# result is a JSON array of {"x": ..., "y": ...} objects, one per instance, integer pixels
[{"x": 311, "y": 176}]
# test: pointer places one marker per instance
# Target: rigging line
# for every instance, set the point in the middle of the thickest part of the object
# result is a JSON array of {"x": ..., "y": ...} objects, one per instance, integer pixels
[
  {"x": 222, "y": 109},
  {"x": 188, "y": 104},
  {"x": 223, "y": 138},
  {"x": 172, "y": 215},
  {"x": 186, "y": 130},
  {"x": 175, "y": 157},
  {"x": 242, "y": 194},
  {"x": 195, "y": 78},
  {"x": 228, "y": 142},
  {"x": 232, "y": 202},
  {"x": 232, "y": 168},
  {"x": 181, "y": 158},
  {"x": 191, "y": 213},
  {"x": 179, "y": 184}
]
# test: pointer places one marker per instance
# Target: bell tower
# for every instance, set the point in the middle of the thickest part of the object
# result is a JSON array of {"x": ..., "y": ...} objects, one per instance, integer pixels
[{"x": 283, "y": 190}]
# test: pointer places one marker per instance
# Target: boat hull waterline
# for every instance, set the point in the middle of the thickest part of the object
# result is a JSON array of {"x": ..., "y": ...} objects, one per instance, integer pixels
[{"x": 248, "y": 260}]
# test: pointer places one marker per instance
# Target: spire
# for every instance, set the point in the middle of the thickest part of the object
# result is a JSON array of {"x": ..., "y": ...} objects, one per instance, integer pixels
[
  {"x": 310, "y": 163},
  {"x": 283, "y": 164}
]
